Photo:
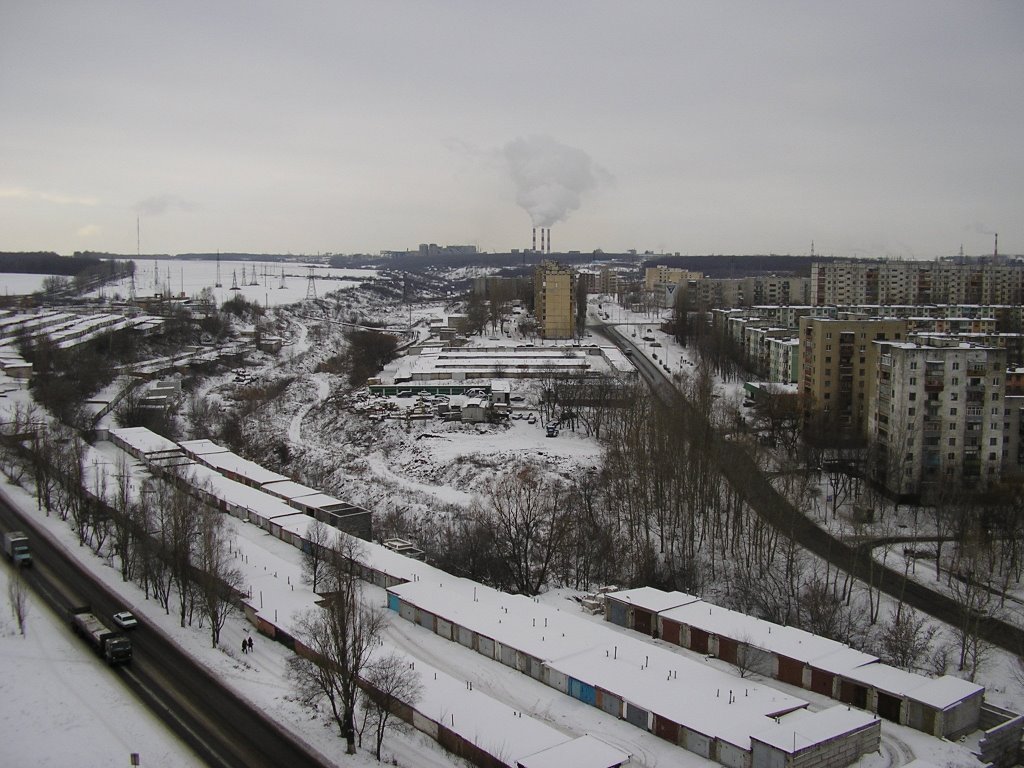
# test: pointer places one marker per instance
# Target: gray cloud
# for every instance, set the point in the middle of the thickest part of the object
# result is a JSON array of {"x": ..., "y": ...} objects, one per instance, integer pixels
[{"x": 158, "y": 205}]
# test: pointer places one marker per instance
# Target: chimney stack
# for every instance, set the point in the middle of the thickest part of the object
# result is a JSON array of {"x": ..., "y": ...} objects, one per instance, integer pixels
[
  {"x": 996, "y": 251},
  {"x": 549, "y": 239},
  {"x": 534, "y": 239}
]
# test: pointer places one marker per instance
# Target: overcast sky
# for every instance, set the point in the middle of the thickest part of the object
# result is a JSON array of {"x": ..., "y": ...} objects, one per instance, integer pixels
[{"x": 870, "y": 128}]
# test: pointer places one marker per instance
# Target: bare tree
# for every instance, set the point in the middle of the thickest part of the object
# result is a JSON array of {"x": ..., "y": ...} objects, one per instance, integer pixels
[
  {"x": 219, "y": 579},
  {"x": 907, "y": 639},
  {"x": 391, "y": 682},
  {"x": 751, "y": 660},
  {"x": 339, "y": 638},
  {"x": 17, "y": 594},
  {"x": 529, "y": 518},
  {"x": 315, "y": 552}
]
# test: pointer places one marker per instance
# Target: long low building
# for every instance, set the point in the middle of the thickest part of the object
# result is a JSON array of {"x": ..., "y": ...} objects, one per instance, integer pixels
[
  {"x": 946, "y": 707},
  {"x": 693, "y": 705}
]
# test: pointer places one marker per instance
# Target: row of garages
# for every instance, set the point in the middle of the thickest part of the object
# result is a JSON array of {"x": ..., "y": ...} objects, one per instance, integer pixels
[
  {"x": 714, "y": 714},
  {"x": 946, "y": 707}
]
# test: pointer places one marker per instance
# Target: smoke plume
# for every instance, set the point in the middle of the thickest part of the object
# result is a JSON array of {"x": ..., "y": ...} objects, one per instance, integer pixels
[{"x": 550, "y": 177}]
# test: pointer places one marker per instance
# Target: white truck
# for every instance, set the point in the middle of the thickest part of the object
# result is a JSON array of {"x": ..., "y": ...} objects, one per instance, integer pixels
[
  {"x": 16, "y": 548},
  {"x": 114, "y": 647}
]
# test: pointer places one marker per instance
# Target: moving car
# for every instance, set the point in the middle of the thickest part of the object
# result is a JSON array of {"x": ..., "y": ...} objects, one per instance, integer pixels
[{"x": 125, "y": 620}]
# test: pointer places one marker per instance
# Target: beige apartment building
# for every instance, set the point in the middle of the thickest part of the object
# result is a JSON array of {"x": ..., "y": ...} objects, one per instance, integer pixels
[
  {"x": 554, "y": 288},
  {"x": 938, "y": 415},
  {"x": 916, "y": 282},
  {"x": 838, "y": 364},
  {"x": 662, "y": 275}
]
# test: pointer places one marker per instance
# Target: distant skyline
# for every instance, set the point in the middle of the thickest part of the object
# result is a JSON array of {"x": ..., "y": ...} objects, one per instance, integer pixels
[{"x": 871, "y": 128}]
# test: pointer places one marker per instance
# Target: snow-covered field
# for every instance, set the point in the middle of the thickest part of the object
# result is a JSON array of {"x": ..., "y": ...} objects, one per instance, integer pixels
[
  {"x": 425, "y": 469},
  {"x": 261, "y": 677}
]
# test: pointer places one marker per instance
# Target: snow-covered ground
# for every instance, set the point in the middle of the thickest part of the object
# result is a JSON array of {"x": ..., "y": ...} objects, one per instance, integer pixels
[
  {"x": 261, "y": 677},
  {"x": 423, "y": 467}
]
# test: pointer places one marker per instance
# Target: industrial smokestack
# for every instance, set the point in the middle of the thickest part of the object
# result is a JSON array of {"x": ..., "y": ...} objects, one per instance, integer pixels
[
  {"x": 549, "y": 239},
  {"x": 535, "y": 239},
  {"x": 995, "y": 253},
  {"x": 542, "y": 240}
]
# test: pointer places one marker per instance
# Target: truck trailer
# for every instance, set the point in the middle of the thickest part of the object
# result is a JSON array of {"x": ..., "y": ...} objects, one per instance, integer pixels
[
  {"x": 16, "y": 548},
  {"x": 114, "y": 647}
]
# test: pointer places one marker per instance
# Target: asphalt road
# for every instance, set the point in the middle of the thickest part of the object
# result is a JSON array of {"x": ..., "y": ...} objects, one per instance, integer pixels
[
  {"x": 223, "y": 730},
  {"x": 743, "y": 474}
]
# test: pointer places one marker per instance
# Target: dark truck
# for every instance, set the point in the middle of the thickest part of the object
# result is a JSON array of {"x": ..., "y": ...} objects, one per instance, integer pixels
[
  {"x": 16, "y": 548},
  {"x": 114, "y": 647}
]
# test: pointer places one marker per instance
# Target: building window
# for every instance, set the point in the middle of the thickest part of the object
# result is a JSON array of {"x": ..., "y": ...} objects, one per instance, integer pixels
[
  {"x": 956, "y": 365},
  {"x": 993, "y": 441},
  {"x": 913, "y": 381},
  {"x": 912, "y": 397},
  {"x": 911, "y": 411},
  {"x": 995, "y": 396},
  {"x": 954, "y": 396},
  {"x": 952, "y": 411},
  {"x": 952, "y": 442}
]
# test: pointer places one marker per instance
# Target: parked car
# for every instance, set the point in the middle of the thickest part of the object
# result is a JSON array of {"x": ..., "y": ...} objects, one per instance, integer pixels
[
  {"x": 125, "y": 620},
  {"x": 531, "y": 419}
]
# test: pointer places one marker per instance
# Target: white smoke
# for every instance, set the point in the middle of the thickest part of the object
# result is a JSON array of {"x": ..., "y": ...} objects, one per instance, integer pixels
[{"x": 550, "y": 177}]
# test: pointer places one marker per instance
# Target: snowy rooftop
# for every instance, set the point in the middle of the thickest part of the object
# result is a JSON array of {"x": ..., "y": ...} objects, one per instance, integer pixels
[
  {"x": 785, "y": 641},
  {"x": 201, "y": 447},
  {"x": 697, "y": 694},
  {"x": 235, "y": 464},
  {"x": 652, "y": 599},
  {"x": 686, "y": 692},
  {"x": 144, "y": 440},
  {"x": 238, "y": 494},
  {"x": 803, "y": 729},
  {"x": 584, "y": 752},
  {"x": 289, "y": 489}
]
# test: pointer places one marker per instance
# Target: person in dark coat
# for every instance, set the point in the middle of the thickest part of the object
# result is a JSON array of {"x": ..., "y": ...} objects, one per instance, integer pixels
[
  {"x": 245, "y": 645},
  {"x": 250, "y": 643}
]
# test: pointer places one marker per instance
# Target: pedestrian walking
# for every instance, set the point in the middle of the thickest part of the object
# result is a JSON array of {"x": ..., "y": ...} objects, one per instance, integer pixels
[
  {"x": 245, "y": 645},
  {"x": 250, "y": 643}
]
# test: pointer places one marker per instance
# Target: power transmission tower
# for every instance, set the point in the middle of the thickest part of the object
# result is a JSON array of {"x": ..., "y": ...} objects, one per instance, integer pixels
[{"x": 311, "y": 287}]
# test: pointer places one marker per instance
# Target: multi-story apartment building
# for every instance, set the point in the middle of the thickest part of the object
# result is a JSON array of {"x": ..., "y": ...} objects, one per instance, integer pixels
[
  {"x": 662, "y": 275},
  {"x": 554, "y": 288},
  {"x": 936, "y": 415},
  {"x": 909, "y": 282},
  {"x": 784, "y": 360},
  {"x": 748, "y": 291},
  {"x": 837, "y": 362}
]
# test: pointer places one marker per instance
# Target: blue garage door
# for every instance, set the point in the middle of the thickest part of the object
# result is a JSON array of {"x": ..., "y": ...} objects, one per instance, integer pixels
[{"x": 580, "y": 690}]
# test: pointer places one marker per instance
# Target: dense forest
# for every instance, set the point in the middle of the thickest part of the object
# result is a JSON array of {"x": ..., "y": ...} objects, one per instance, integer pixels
[{"x": 46, "y": 263}]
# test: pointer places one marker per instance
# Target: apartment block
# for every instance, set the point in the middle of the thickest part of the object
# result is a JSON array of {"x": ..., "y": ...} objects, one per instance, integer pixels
[
  {"x": 660, "y": 275},
  {"x": 554, "y": 289},
  {"x": 784, "y": 360},
  {"x": 936, "y": 416},
  {"x": 838, "y": 363},
  {"x": 908, "y": 282}
]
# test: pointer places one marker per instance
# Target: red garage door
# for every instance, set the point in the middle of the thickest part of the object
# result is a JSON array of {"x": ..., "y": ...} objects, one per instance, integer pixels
[
  {"x": 821, "y": 682},
  {"x": 791, "y": 671},
  {"x": 642, "y": 621},
  {"x": 698, "y": 640},
  {"x": 671, "y": 631},
  {"x": 666, "y": 729},
  {"x": 727, "y": 649}
]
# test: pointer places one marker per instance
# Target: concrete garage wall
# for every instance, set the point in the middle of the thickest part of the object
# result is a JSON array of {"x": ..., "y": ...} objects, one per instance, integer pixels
[
  {"x": 1001, "y": 744},
  {"x": 732, "y": 756},
  {"x": 425, "y": 724},
  {"x": 834, "y": 753},
  {"x": 486, "y": 647},
  {"x": 963, "y": 718},
  {"x": 444, "y": 628}
]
